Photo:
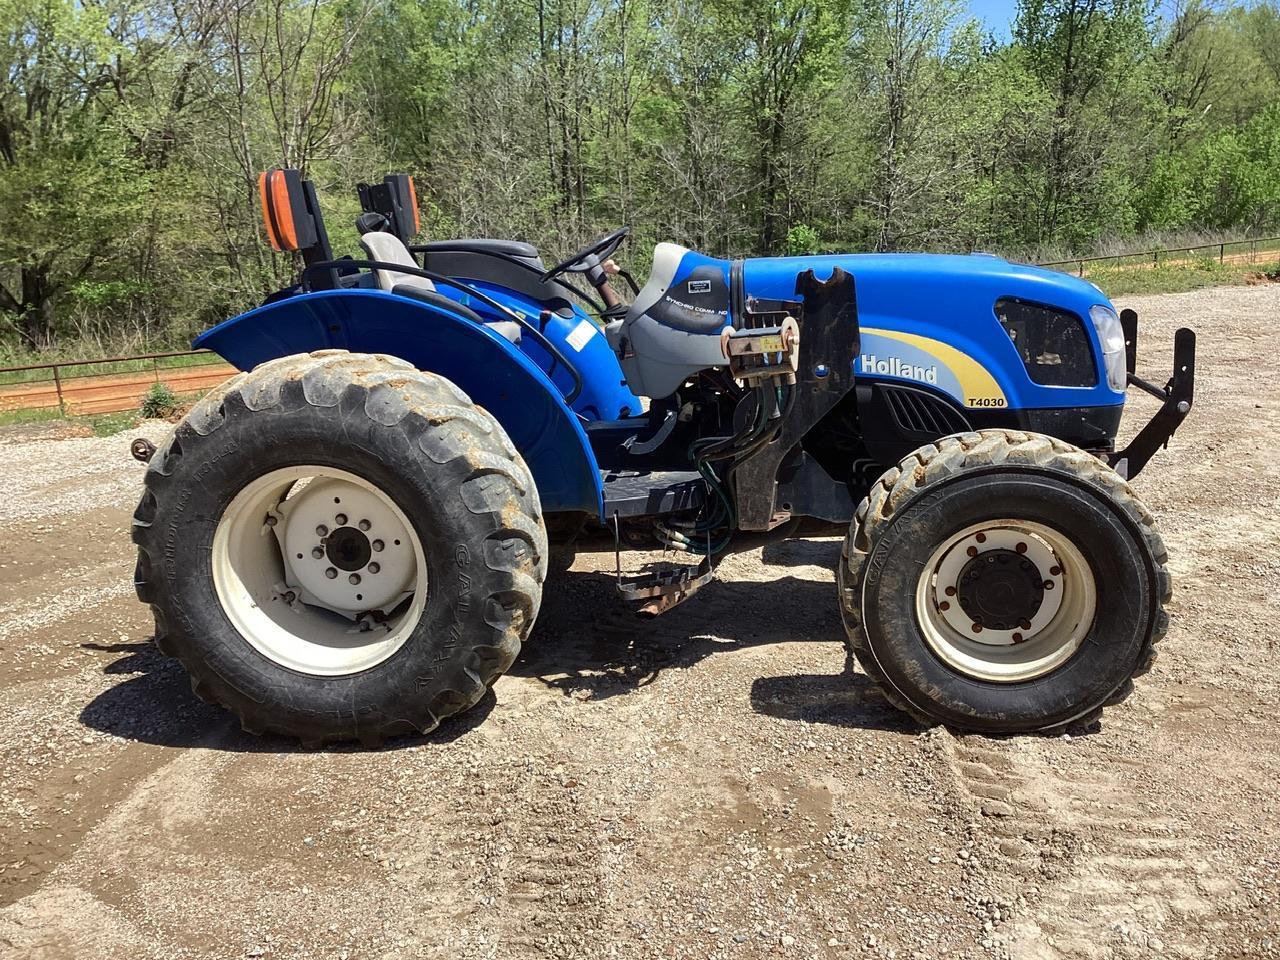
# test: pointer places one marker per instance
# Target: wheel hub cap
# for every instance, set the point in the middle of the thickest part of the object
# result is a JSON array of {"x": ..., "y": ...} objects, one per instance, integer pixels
[
  {"x": 1000, "y": 589},
  {"x": 1006, "y": 600},
  {"x": 346, "y": 549}
]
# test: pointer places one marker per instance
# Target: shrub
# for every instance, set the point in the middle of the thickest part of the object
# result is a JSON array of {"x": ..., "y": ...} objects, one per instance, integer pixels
[{"x": 160, "y": 402}]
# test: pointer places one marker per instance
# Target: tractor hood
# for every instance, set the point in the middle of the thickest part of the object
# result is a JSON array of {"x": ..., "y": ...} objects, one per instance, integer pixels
[
  {"x": 909, "y": 277},
  {"x": 931, "y": 319},
  {"x": 928, "y": 319}
]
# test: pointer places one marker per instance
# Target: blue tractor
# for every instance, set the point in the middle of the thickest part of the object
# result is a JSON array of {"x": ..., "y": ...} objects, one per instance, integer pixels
[{"x": 349, "y": 539}]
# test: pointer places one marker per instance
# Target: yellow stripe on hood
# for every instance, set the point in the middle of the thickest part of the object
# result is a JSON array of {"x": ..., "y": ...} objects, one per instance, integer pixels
[{"x": 978, "y": 385}]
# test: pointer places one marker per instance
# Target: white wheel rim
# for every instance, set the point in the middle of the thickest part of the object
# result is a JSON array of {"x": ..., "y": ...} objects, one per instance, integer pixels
[
  {"x": 994, "y": 648},
  {"x": 319, "y": 570}
]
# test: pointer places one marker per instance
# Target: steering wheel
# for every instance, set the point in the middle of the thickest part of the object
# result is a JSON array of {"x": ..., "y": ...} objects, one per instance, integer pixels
[{"x": 589, "y": 258}]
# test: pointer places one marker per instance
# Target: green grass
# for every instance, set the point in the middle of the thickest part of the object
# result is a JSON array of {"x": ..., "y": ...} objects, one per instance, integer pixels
[
  {"x": 102, "y": 424},
  {"x": 9, "y": 418},
  {"x": 109, "y": 424},
  {"x": 1176, "y": 277}
]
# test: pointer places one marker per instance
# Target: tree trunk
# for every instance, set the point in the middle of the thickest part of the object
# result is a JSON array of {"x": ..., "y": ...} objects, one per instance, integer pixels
[{"x": 37, "y": 307}]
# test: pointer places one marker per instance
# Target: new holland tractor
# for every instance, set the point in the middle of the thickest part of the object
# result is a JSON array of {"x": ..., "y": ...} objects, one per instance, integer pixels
[{"x": 349, "y": 539}]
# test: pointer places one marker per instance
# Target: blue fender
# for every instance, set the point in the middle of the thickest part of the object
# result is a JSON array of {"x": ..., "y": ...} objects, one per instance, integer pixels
[{"x": 492, "y": 371}]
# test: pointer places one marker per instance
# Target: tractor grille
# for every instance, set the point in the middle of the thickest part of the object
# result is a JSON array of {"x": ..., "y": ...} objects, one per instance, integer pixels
[{"x": 917, "y": 412}]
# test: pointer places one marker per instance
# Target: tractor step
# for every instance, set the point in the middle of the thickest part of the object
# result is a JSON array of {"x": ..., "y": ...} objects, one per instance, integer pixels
[
  {"x": 630, "y": 493},
  {"x": 664, "y": 586}
]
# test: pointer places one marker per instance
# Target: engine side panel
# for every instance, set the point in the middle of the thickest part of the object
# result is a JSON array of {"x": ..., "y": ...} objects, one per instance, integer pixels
[{"x": 494, "y": 373}]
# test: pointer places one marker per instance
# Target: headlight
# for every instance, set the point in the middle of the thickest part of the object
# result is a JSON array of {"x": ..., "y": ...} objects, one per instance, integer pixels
[{"x": 1111, "y": 336}]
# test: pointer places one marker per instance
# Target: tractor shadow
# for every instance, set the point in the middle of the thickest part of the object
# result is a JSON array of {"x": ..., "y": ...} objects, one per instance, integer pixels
[
  {"x": 155, "y": 705},
  {"x": 589, "y": 646}
]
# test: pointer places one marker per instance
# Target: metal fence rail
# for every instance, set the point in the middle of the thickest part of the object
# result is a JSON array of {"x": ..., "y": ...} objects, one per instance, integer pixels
[
  {"x": 107, "y": 384},
  {"x": 1224, "y": 250}
]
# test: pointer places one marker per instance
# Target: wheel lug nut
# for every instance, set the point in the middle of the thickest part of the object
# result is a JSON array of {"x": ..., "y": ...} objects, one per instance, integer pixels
[
  {"x": 977, "y": 628},
  {"x": 331, "y": 573},
  {"x": 1017, "y": 638},
  {"x": 377, "y": 545},
  {"x": 317, "y": 552},
  {"x": 951, "y": 591},
  {"x": 374, "y": 568},
  {"x": 981, "y": 538},
  {"x": 1048, "y": 584},
  {"x": 364, "y": 524},
  {"x": 972, "y": 551},
  {"x": 1021, "y": 547},
  {"x": 1054, "y": 571},
  {"x": 340, "y": 519},
  {"x": 353, "y": 579},
  {"x": 944, "y": 606},
  {"x": 271, "y": 521},
  {"x": 322, "y": 531}
]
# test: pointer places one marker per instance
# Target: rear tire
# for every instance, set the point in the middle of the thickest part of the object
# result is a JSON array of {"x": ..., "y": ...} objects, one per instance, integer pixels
[
  {"x": 1011, "y": 500},
  {"x": 451, "y": 487}
]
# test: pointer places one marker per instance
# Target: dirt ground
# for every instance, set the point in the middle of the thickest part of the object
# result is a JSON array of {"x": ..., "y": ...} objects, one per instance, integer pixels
[{"x": 715, "y": 783}]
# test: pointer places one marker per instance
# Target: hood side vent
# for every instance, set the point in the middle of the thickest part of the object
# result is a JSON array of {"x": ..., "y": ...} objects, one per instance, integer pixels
[{"x": 919, "y": 413}]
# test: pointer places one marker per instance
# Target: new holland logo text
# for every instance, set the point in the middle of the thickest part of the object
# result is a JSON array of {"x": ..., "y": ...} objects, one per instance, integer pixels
[{"x": 894, "y": 367}]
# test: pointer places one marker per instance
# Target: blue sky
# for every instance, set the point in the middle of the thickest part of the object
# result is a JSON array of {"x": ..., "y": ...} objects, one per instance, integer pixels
[{"x": 996, "y": 15}]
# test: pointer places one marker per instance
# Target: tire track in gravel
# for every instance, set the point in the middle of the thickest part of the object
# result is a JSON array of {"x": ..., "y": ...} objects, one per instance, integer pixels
[
  {"x": 557, "y": 874},
  {"x": 1098, "y": 873}
]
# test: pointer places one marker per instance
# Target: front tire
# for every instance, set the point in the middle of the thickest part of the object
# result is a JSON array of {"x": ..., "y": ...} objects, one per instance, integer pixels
[
  {"x": 340, "y": 547},
  {"x": 1003, "y": 582}
]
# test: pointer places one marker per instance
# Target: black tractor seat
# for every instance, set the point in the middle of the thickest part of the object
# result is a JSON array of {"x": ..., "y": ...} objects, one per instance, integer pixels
[{"x": 504, "y": 248}]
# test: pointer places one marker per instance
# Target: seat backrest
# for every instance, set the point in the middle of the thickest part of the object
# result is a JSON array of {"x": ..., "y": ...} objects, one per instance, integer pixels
[
  {"x": 389, "y": 248},
  {"x": 291, "y": 217}
]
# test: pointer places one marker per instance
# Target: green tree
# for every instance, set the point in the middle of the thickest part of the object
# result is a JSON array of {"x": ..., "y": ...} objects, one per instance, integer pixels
[{"x": 72, "y": 186}]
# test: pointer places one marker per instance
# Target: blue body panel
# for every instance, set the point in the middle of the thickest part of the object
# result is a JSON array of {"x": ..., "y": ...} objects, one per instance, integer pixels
[
  {"x": 492, "y": 371},
  {"x": 934, "y": 314},
  {"x": 604, "y": 395}
]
